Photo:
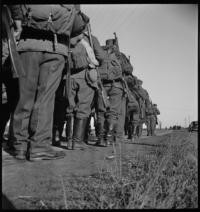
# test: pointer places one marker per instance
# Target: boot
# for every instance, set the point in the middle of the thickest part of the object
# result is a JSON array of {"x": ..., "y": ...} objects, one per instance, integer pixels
[
  {"x": 21, "y": 150},
  {"x": 87, "y": 131},
  {"x": 134, "y": 130},
  {"x": 79, "y": 133},
  {"x": 100, "y": 141},
  {"x": 139, "y": 131},
  {"x": 109, "y": 137},
  {"x": 60, "y": 131},
  {"x": 69, "y": 131},
  {"x": 56, "y": 137},
  {"x": 130, "y": 131}
]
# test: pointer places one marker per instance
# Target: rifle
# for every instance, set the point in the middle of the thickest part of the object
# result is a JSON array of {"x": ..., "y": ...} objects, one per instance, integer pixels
[
  {"x": 100, "y": 85},
  {"x": 116, "y": 41},
  {"x": 126, "y": 88},
  {"x": 68, "y": 76},
  {"x": 14, "y": 56}
]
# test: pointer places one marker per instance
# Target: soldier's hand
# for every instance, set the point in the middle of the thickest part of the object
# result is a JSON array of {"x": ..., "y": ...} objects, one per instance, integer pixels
[{"x": 18, "y": 29}]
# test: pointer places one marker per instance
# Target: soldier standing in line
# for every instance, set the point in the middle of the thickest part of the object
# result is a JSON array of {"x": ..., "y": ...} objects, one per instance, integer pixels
[
  {"x": 130, "y": 103},
  {"x": 153, "y": 119},
  {"x": 149, "y": 114},
  {"x": 133, "y": 111},
  {"x": 83, "y": 86},
  {"x": 43, "y": 48},
  {"x": 107, "y": 119},
  {"x": 143, "y": 98},
  {"x": 127, "y": 98}
]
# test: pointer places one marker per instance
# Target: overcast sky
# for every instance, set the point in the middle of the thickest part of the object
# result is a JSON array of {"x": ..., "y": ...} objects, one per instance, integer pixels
[{"x": 162, "y": 41}]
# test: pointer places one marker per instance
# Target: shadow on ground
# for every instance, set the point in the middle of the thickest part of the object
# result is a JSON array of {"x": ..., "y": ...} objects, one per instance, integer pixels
[{"x": 6, "y": 203}]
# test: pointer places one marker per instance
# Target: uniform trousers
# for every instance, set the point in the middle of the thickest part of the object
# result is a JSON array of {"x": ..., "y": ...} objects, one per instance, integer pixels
[{"x": 33, "y": 117}]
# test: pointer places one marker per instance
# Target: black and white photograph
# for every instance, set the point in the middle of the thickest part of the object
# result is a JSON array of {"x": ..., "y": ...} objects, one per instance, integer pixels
[{"x": 99, "y": 106}]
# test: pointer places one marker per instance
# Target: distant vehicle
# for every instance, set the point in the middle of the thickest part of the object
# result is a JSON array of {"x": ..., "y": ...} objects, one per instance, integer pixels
[
  {"x": 176, "y": 127},
  {"x": 193, "y": 126}
]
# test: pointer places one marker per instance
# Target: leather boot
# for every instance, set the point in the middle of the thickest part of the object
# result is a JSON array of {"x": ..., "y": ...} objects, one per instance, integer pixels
[
  {"x": 22, "y": 150},
  {"x": 130, "y": 131},
  {"x": 139, "y": 130},
  {"x": 134, "y": 130},
  {"x": 100, "y": 141},
  {"x": 87, "y": 131},
  {"x": 79, "y": 133},
  {"x": 110, "y": 133},
  {"x": 69, "y": 131},
  {"x": 56, "y": 137},
  {"x": 60, "y": 131}
]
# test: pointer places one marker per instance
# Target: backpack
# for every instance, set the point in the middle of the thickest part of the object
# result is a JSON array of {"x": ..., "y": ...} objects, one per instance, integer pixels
[
  {"x": 127, "y": 68},
  {"x": 56, "y": 18},
  {"x": 149, "y": 111},
  {"x": 80, "y": 22},
  {"x": 78, "y": 57},
  {"x": 110, "y": 68}
]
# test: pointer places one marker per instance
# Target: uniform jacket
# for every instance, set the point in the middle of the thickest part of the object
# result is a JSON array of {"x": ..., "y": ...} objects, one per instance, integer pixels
[
  {"x": 36, "y": 44},
  {"x": 98, "y": 51}
]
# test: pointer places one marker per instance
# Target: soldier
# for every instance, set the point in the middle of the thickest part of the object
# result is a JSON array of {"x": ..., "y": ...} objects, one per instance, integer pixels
[
  {"x": 107, "y": 119},
  {"x": 83, "y": 87},
  {"x": 133, "y": 109},
  {"x": 149, "y": 114},
  {"x": 43, "y": 53},
  {"x": 130, "y": 106},
  {"x": 153, "y": 119},
  {"x": 143, "y": 98}
]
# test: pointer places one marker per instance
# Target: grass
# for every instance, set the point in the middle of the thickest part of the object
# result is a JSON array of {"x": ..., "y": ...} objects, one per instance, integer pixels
[
  {"x": 159, "y": 177},
  {"x": 163, "y": 178}
]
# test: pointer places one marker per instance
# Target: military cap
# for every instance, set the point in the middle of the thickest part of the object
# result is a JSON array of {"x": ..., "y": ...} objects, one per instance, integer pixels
[{"x": 110, "y": 42}]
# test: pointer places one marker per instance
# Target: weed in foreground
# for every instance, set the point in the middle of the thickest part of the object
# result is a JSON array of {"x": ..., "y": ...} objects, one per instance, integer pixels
[{"x": 164, "y": 178}]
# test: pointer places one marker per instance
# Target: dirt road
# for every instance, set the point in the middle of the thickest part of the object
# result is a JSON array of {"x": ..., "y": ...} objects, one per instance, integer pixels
[{"x": 22, "y": 181}]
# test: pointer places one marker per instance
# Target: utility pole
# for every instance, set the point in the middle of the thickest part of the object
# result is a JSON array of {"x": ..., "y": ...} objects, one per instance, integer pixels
[
  {"x": 188, "y": 120},
  {"x": 185, "y": 122}
]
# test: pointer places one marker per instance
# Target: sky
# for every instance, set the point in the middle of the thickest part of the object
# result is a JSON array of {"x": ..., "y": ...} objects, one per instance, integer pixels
[{"x": 162, "y": 41}]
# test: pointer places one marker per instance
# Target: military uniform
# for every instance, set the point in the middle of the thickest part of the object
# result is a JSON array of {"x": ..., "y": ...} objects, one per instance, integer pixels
[
  {"x": 133, "y": 109},
  {"x": 143, "y": 98},
  {"x": 43, "y": 58},
  {"x": 153, "y": 119},
  {"x": 108, "y": 119},
  {"x": 82, "y": 92},
  {"x": 128, "y": 101}
]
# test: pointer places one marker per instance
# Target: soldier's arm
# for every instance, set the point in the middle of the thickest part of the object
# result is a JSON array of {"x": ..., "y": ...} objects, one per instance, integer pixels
[
  {"x": 98, "y": 51},
  {"x": 17, "y": 16}
]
